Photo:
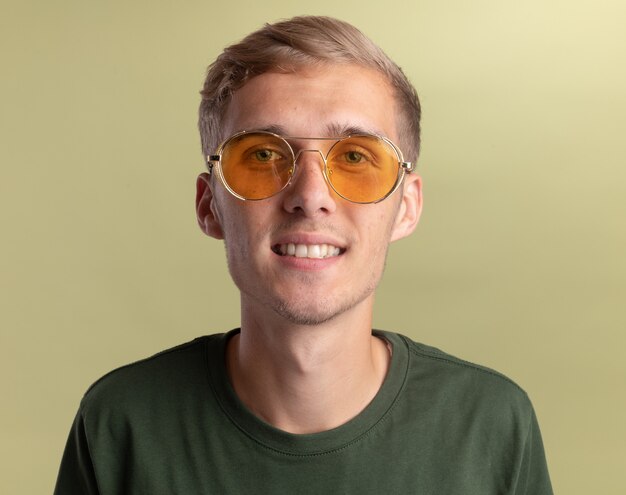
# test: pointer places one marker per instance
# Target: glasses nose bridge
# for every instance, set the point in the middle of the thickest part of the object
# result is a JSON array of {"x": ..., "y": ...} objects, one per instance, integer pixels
[
  {"x": 300, "y": 169},
  {"x": 309, "y": 150}
]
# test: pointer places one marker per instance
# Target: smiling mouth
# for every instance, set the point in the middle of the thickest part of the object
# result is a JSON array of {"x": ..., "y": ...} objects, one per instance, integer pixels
[{"x": 312, "y": 251}]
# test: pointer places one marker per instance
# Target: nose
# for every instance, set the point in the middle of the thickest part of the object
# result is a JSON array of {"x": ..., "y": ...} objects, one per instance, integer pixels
[{"x": 308, "y": 192}]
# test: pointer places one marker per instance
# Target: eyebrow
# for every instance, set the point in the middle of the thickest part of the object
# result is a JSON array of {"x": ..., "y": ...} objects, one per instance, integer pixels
[
  {"x": 332, "y": 130},
  {"x": 274, "y": 129},
  {"x": 350, "y": 130}
]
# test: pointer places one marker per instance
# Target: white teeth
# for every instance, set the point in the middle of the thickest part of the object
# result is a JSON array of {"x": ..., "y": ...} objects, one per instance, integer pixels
[
  {"x": 301, "y": 251},
  {"x": 315, "y": 251}
]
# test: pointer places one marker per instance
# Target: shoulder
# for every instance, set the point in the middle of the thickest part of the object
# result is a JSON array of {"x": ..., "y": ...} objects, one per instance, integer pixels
[
  {"x": 471, "y": 419},
  {"x": 463, "y": 386},
  {"x": 162, "y": 376},
  {"x": 456, "y": 366}
]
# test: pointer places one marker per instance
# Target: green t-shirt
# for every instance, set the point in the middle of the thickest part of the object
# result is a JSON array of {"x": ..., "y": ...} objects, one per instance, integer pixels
[{"x": 172, "y": 424}]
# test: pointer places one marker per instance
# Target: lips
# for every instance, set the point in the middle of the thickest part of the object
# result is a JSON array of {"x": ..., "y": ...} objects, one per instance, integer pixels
[{"x": 311, "y": 251}]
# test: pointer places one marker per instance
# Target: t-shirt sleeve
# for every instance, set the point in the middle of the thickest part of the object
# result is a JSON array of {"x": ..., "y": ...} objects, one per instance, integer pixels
[
  {"x": 533, "y": 474},
  {"x": 76, "y": 474}
]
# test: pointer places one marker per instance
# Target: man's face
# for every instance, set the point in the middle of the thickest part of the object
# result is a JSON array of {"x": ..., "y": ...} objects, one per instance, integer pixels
[{"x": 317, "y": 102}]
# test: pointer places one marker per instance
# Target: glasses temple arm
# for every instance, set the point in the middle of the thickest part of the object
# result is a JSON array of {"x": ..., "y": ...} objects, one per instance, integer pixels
[{"x": 210, "y": 161}]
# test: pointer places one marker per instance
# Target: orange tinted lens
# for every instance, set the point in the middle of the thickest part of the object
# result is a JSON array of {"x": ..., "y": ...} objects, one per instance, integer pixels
[
  {"x": 257, "y": 165},
  {"x": 363, "y": 169}
]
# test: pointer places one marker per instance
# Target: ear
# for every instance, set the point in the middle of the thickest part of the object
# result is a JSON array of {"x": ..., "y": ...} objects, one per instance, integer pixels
[
  {"x": 206, "y": 211},
  {"x": 410, "y": 207}
]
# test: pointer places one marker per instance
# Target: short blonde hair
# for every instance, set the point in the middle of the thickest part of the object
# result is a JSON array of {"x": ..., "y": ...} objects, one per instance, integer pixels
[{"x": 288, "y": 45}]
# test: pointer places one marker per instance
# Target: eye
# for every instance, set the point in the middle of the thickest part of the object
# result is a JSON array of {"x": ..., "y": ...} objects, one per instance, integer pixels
[
  {"x": 353, "y": 157},
  {"x": 265, "y": 155}
]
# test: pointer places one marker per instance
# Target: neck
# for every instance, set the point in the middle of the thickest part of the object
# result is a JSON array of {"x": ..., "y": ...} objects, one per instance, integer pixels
[{"x": 307, "y": 378}]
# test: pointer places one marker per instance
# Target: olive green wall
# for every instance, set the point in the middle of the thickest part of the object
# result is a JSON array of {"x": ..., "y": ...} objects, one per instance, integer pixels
[{"x": 518, "y": 262}]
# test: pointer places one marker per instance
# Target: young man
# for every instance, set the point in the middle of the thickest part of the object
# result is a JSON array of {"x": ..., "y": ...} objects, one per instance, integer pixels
[{"x": 303, "y": 124}]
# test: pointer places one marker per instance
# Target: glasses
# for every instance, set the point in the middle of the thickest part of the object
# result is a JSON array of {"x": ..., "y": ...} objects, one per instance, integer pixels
[{"x": 256, "y": 165}]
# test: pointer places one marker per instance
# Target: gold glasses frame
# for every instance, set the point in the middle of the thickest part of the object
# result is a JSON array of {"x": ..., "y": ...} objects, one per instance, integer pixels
[{"x": 214, "y": 161}]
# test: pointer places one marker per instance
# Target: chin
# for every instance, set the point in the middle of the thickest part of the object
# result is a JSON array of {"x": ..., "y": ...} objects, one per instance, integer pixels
[
  {"x": 321, "y": 311},
  {"x": 305, "y": 316}
]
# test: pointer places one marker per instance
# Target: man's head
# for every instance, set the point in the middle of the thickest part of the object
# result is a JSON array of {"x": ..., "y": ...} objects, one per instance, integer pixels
[
  {"x": 306, "y": 253},
  {"x": 293, "y": 45}
]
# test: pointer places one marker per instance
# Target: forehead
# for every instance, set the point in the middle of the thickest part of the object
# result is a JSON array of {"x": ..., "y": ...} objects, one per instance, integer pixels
[{"x": 327, "y": 100}]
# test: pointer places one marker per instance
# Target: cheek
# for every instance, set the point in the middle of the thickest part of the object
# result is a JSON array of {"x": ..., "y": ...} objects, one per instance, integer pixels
[
  {"x": 230, "y": 220},
  {"x": 236, "y": 241},
  {"x": 245, "y": 229},
  {"x": 382, "y": 221},
  {"x": 380, "y": 231}
]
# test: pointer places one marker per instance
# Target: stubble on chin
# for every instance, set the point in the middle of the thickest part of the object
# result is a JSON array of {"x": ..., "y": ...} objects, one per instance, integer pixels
[{"x": 302, "y": 310}]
